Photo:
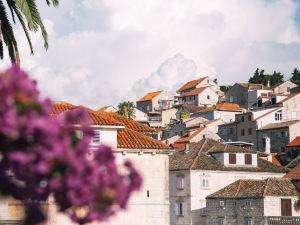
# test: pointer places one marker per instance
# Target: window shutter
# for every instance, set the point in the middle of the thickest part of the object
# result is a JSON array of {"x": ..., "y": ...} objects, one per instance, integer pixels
[
  {"x": 286, "y": 207},
  {"x": 177, "y": 208},
  {"x": 232, "y": 158},
  {"x": 248, "y": 159}
]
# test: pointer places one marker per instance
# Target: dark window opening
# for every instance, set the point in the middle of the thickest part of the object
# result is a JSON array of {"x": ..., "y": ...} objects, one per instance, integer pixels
[{"x": 232, "y": 158}]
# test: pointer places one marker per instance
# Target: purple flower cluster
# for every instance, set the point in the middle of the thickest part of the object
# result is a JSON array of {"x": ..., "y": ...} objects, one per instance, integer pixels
[{"x": 41, "y": 156}]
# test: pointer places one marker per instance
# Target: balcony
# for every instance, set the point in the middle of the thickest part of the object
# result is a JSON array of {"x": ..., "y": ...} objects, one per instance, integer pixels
[{"x": 282, "y": 220}]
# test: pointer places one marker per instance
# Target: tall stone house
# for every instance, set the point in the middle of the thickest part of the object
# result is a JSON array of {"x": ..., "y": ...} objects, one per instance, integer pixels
[
  {"x": 259, "y": 202},
  {"x": 129, "y": 141},
  {"x": 284, "y": 87},
  {"x": 245, "y": 125},
  {"x": 246, "y": 94},
  {"x": 206, "y": 167},
  {"x": 155, "y": 101},
  {"x": 276, "y": 136}
]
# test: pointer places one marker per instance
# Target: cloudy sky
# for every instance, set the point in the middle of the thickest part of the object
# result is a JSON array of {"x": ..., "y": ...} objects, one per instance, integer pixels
[{"x": 105, "y": 51}]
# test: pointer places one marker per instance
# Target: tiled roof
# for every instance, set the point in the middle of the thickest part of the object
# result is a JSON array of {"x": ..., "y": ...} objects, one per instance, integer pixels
[
  {"x": 193, "y": 92},
  {"x": 191, "y": 84},
  {"x": 199, "y": 158},
  {"x": 294, "y": 174},
  {"x": 222, "y": 107},
  {"x": 129, "y": 123},
  {"x": 275, "y": 160},
  {"x": 292, "y": 95},
  {"x": 178, "y": 146},
  {"x": 295, "y": 142},
  {"x": 187, "y": 138},
  {"x": 60, "y": 107},
  {"x": 191, "y": 108},
  {"x": 131, "y": 139},
  {"x": 279, "y": 125},
  {"x": 149, "y": 96},
  {"x": 257, "y": 189}
]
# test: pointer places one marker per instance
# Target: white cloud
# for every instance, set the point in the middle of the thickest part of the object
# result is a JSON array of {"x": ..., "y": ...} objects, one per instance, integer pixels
[{"x": 105, "y": 51}]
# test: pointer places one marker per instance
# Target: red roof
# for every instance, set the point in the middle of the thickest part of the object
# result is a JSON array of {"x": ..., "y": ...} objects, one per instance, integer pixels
[
  {"x": 196, "y": 91},
  {"x": 191, "y": 84},
  {"x": 294, "y": 173},
  {"x": 135, "y": 140},
  {"x": 222, "y": 107},
  {"x": 60, "y": 107},
  {"x": 149, "y": 96},
  {"x": 129, "y": 123},
  {"x": 295, "y": 142},
  {"x": 275, "y": 160},
  {"x": 187, "y": 139}
]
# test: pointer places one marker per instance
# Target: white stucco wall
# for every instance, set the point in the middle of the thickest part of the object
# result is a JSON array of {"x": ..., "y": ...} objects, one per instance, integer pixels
[{"x": 272, "y": 205}]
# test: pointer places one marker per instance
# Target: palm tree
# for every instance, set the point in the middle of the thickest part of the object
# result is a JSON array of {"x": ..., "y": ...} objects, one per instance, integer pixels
[
  {"x": 126, "y": 109},
  {"x": 28, "y": 15}
]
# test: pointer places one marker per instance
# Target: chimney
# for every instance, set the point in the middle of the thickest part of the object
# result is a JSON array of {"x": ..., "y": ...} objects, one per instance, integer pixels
[
  {"x": 267, "y": 145},
  {"x": 187, "y": 147},
  {"x": 268, "y": 84}
]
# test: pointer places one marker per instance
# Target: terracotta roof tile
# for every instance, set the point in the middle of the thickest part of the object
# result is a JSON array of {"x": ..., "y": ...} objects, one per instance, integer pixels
[
  {"x": 295, "y": 142},
  {"x": 193, "y": 92},
  {"x": 294, "y": 173},
  {"x": 187, "y": 139},
  {"x": 129, "y": 123},
  {"x": 275, "y": 160},
  {"x": 222, "y": 107},
  {"x": 257, "y": 189},
  {"x": 191, "y": 84},
  {"x": 135, "y": 140},
  {"x": 149, "y": 96},
  {"x": 60, "y": 107}
]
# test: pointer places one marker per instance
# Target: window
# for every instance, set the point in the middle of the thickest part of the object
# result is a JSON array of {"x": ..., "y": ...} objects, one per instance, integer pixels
[
  {"x": 286, "y": 207},
  {"x": 179, "y": 208},
  {"x": 221, "y": 221},
  {"x": 180, "y": 182},
  {"x": 231, "y": 99},
  {"x": 208, "y": 97},
  {"x": 248, "y": 202},
  {"x": 243, "y": 119},
  {"x": 221, "y": 203},
  {"x": 288, "y": 89},
  {"x": 242, "y": 132},
  {"x": 278, "y": 116},
  {"x": 231, "y": 130},
  {"x": 282, "y": 149},
  {"x": 96, "y": 140},
  {"x": 264, "y": 143},
  {"x": 204, "y": 183},
  {"x": 248, "y": 159},
  {"x": 203, "y": 208},
  {"x": 250, "y": 131},
  {"x": 232, "y": 158},
  {"x": 249, "y": 118},
  {"x": 248, "y": 221}
]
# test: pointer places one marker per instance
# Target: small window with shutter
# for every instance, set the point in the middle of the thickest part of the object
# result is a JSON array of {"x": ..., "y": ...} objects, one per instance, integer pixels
[
  {"x": 232, "y": 158},
  {"x": 248, "y": 159}
]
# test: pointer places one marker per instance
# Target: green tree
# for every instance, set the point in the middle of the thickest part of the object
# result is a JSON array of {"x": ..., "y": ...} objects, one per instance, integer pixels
[
  {"x": 258, "y": 77},
  {"x": 295, "y": 76},
  {"x": 126, "y": 109},
  {"x": 28, "y": 15},
  {"x": 276, "y": 78}
]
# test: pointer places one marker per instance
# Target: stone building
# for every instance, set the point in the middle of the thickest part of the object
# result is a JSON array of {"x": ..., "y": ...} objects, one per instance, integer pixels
[
  {"x": 284, "y": 87},
  {"x": 246, "y": 94},
  {"x": 155, "y": 101},
  {"x": 206, "y": 167},
  {"x": 274, "y": 137},
  {"x": 256, "y": 202},
  {"x": 129, "y": 142},
  {"x": 245, "y": 125}
]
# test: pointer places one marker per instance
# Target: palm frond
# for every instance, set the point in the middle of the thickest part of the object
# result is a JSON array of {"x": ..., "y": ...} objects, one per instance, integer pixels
[
  {"x": 12, "y": 5},
  {"x": 32, "y": 15},
  {"x": 8, "y": 35},
  {"x": 54, "y": 2}
]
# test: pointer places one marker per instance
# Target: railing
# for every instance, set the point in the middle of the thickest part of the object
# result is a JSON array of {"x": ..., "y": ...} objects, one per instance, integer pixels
[{"x": 282, "y": 220}]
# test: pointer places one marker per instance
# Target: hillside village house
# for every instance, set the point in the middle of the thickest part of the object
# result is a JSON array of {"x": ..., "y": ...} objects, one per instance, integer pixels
[
  {"x": 206, "y": 167},
  {"x": 151, "y": 158},
  {"x": 276, "y": 136},
  {"x": 155, "y": 101},
  {"x": 245, "y": 125},
  {"x": 246, "y": 94},
  {"x": 186, "y": 111},
  {"x": 293, "y": 148},
  {"x": 249, "y": 202},
  {"x": 224, "y": 111},
  {"x": 284, "y": 87}
]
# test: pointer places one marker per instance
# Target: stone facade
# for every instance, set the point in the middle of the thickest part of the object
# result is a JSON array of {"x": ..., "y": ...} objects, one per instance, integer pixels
[{"x": 284, "y": 87}]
